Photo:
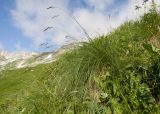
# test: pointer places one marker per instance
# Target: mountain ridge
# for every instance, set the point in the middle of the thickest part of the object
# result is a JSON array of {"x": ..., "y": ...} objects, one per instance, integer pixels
[{"x": 13, "y": 60}]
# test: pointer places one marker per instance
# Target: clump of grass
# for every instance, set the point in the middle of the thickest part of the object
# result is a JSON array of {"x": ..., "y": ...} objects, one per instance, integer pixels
[{"x": 117, "y": 74}]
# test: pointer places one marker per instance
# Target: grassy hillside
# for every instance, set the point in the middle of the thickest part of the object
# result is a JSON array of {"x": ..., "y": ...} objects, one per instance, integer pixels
[
  {"x": 15, "y": 85},
  {"x": 114, "y": 74}
]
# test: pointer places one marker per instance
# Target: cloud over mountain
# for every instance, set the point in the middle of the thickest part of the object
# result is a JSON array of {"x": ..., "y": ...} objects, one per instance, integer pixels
[
  {"x": 1, "y": 46},
  {"x": 32, "y": 17}
]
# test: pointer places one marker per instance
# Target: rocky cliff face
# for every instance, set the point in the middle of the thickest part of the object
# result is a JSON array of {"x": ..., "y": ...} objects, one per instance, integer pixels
[
  {"x": 9, "y": 60},
  {"x": 12, "y": 60}
]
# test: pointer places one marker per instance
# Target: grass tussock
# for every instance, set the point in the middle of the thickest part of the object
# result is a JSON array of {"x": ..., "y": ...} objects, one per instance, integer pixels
[{"x": 115, "y": 74}]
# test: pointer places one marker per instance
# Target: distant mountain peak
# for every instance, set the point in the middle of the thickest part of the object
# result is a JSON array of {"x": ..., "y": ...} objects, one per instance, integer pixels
[{"x": 12, "y": 60}]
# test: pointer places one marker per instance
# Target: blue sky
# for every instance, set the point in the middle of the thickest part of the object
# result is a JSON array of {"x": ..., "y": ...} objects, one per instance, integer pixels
[
  {"x": 10, "y": 36},
  {"x": 22, "y": 21}
]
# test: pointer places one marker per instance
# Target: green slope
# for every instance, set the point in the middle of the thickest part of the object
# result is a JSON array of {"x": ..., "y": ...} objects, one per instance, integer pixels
[
  {"x": 17, "y": 84},
  {"x": 113, "y": 74}
]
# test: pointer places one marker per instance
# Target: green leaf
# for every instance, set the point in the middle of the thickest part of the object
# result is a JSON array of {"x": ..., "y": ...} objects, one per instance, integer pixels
[
  {"x": 155, "y": 49},
  {"x": 150, "y": 48},
  {"x": 104, "y": 95}
]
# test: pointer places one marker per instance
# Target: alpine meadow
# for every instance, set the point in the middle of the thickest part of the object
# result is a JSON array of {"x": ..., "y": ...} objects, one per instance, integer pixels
[{"x": 116, "y": 73}]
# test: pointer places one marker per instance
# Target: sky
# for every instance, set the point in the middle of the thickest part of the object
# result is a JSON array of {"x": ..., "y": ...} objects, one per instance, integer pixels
[{"x": 22, "y": 22}]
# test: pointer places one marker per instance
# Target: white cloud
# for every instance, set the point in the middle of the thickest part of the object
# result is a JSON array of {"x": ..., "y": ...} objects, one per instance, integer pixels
[
  {"x": 32, "y": 17},
  {"x": 1, "y": 46},
  {"x": 100, "y": 4},
  {"x": 19, "y": 47}
]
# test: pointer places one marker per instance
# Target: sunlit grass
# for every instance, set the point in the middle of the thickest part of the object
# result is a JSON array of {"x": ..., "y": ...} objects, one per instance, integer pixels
[
  {"x": 15, "y": 85},
  {"x": 117, "y": 73}
]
